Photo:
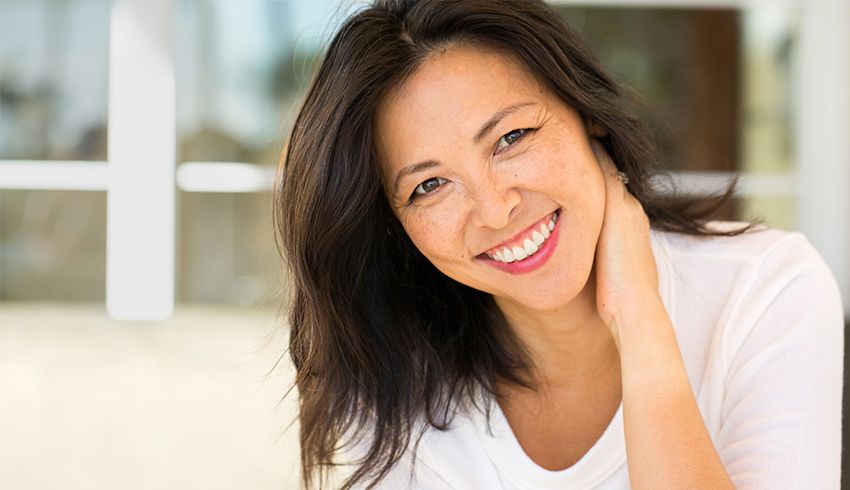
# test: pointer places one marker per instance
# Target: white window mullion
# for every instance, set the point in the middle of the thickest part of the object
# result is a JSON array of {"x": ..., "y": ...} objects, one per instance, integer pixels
[
  {"x": 224, "y": 177},
  {"x": 141, "y": 196},
  {"x": 823, "y": 142}
]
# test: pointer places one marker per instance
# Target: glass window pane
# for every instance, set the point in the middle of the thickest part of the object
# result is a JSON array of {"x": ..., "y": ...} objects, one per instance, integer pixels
[
  {"x": 242, "y": 68},
  {"x": 767, "y": 133},
  {"x": 53, "y": 79},
  {"x": 226, "y": 251},
  {"x": 685, "y": 62},
  {"x": 52, "y": 245},
  {"x": 716, "y": 82}
]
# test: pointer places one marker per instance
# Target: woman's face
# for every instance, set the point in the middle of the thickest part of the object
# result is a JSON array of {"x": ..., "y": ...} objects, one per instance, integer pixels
[{"x": 477, "y": 158}]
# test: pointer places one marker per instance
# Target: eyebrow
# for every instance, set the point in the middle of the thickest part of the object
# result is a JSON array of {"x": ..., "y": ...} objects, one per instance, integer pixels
[
  {"x": 412, "y": 169},
  {"x": 498, "y": 116},
  {"x": 482, "y": 132}
]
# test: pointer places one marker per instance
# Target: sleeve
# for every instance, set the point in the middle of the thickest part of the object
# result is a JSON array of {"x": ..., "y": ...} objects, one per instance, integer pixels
[{"x": 781, "y": 413}]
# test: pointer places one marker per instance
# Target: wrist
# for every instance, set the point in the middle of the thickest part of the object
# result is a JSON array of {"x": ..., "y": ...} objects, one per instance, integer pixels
[
  {"x": 639, "y": 313},
  {"x": 648, "y": 349},
  {"x": 642, "y": 319}
]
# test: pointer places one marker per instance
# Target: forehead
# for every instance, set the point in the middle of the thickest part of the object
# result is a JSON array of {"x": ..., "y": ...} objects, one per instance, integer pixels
[{"x": 447, "y": 99}]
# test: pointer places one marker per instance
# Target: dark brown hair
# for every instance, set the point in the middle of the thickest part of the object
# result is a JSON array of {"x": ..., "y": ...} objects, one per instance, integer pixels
[{"x": 380, "y": 339}]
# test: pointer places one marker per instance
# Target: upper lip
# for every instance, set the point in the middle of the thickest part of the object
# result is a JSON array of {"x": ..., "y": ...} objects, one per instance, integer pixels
[{"x": 515, "y": 236}]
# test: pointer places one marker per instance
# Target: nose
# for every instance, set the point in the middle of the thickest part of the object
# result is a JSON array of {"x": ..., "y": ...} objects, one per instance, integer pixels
[{"x": 494, "y": 202}]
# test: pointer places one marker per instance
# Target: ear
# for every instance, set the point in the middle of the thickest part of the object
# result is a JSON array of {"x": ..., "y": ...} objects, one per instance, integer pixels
[{"x": 594, "y": 129}]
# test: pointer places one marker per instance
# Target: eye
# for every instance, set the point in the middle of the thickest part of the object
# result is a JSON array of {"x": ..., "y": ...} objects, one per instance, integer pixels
[
  {"x": 510, "y": 138},
  {"x": 428, "y": 186}
]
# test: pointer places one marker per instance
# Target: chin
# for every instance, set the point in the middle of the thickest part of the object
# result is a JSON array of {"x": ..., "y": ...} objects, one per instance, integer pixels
[{"x": 549, "y": 301}]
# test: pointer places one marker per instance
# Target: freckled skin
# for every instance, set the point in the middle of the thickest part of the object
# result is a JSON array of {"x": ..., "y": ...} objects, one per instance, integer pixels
[{"x": 487, "y": 197}]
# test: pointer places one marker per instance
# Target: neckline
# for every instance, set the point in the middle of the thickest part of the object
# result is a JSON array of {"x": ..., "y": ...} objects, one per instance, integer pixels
[{"x": 605, "y": 456}]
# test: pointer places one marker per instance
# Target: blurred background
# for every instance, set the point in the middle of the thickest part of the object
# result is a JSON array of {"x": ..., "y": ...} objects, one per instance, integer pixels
[{"x": 140, "y": 288}]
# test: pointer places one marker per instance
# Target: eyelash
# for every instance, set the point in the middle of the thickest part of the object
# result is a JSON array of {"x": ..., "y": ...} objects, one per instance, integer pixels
[{"x": 523, "y": 133}]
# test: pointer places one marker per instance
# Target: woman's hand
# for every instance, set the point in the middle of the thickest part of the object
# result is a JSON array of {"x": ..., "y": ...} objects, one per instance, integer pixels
[{"x": 626, "y": 275}]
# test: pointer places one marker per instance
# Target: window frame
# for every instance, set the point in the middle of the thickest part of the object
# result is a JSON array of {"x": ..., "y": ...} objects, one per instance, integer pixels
[{"x": 140, "y": 282}]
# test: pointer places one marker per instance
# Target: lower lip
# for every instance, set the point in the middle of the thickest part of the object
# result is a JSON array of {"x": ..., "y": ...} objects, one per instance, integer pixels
[{"x": 531, "y": 263}]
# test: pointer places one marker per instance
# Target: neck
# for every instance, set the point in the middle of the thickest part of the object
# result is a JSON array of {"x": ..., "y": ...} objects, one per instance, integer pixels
[{"x": 571, "y": 348}]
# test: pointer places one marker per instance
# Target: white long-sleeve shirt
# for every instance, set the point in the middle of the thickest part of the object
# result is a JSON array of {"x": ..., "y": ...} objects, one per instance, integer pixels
[{"x": 758, "y": 319}]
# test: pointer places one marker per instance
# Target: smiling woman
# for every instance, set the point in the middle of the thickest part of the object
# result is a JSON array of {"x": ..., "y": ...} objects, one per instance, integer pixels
[{"x": 488, "y": 293}]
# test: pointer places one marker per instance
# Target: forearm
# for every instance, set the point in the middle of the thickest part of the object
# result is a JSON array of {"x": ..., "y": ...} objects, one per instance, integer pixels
[{"x": 667, "y": 443}]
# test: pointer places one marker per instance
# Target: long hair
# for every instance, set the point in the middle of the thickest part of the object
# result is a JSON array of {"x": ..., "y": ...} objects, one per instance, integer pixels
[{"x": 381, "y": 339}]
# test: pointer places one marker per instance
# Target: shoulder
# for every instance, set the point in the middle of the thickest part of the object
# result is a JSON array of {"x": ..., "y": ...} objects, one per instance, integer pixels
[
  {"x": 436, "y": 459},
  {"x": 450, "y": 454},
  {"x": 765, "y": 283},
  {"x": 760, "y": 324}
]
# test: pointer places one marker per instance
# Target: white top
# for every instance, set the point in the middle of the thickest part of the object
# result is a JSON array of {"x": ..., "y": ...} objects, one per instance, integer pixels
[{"x": 759, "y": 322}]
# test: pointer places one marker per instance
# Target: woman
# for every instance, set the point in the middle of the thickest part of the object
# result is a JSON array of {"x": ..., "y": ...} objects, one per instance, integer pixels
[{"x": 487, "y": 293}]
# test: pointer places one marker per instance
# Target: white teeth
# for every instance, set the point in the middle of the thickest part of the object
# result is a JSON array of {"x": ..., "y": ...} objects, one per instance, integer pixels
[
  {"x": 537, "y": 238},
  {"x": 519, "y": 253},
  {"x": 529, "y": 246}
]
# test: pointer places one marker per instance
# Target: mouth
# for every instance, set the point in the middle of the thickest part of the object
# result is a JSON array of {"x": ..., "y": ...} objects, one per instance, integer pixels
[{"x": 528, "y": 250}]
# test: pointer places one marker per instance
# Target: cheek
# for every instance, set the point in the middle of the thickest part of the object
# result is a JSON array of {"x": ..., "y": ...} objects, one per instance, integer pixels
[
  {"x": 437, "y": 234},
  {"x": 570, "y": 179},
  {"x": 575, "y": 175}
]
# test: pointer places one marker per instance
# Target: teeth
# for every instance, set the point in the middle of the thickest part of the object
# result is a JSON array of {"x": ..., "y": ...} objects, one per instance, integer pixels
[
  {"x": 537, "y": 237},
  {"x": 530, "y": 247},
  {"x": 519, "y": 253}
]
